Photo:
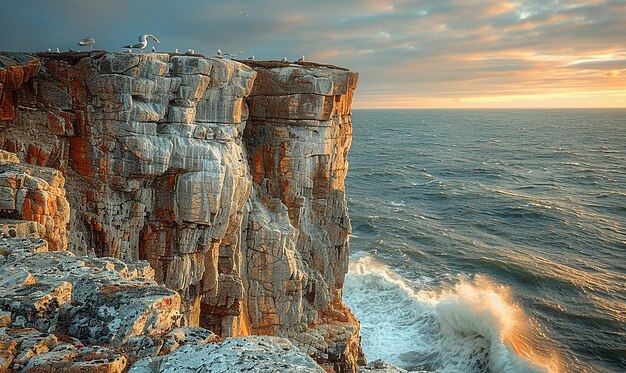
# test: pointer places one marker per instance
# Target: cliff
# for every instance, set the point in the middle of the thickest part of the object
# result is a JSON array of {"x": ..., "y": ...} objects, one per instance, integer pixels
[{"x": 227, "y": 178}]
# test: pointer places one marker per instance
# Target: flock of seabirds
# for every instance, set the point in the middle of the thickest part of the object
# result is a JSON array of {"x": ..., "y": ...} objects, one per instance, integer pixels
[{"x": 143, "y": 43}]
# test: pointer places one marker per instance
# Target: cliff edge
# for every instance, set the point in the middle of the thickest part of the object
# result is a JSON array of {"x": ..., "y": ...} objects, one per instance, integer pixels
[{"x": 227, "y": 178}]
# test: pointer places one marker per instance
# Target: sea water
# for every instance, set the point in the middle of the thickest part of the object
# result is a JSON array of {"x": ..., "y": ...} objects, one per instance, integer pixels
[{"x": 489, "y": 240}]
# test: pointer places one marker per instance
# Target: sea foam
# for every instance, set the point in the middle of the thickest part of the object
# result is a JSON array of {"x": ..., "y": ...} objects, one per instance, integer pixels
[{"x": 473, "y": 326}]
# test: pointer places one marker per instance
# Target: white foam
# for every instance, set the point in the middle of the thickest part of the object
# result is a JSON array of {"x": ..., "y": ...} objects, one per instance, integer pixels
[{"x": 472, "y": 327}]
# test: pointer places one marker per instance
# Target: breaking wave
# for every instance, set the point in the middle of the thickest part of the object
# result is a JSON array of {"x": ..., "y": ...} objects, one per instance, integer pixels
[{"x": 474, "y": 326}]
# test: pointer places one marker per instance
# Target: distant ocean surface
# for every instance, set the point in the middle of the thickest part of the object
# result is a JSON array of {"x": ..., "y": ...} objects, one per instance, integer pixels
[{"x": 489, "y": 240}]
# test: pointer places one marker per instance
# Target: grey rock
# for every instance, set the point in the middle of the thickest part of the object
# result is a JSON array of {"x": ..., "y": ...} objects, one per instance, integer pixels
[
  {"x": 228, "y": 179},
  {"x": 247, "y": 354},
  {"x": 380, "y": 366}
]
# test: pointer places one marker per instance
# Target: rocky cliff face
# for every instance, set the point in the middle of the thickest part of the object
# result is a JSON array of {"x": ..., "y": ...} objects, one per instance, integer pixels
[{"x": 227, "y": 178}]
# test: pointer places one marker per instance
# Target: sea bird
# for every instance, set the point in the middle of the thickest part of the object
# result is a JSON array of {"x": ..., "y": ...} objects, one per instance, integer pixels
[
  {"x": 87, "y": 41},
  {"x": 176, "y": 50},
  {"x": 220, "y": 54},
  {"x": 244, "y": 13},
  {"x": 153, "y": 49},
  {"x": 284, "y": 59},
  {"x": 251, "y": 57},
  {"x": 49, "y": 50},
  {"x": 301, "y": 59},
  {"x": 190, "y": 51},
  {"x": 143, "y": 42},
  {"x": 59, "y": 51}
]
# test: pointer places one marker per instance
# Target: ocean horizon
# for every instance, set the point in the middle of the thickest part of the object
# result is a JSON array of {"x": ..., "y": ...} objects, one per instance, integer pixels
[{"x": 489, "y": 239}]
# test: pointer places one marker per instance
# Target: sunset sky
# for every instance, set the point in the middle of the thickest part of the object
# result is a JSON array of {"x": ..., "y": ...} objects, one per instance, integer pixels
[{"x": 410, "y": 53}]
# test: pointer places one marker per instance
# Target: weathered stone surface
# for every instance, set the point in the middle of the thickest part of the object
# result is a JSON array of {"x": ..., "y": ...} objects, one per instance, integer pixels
[
  {"x": 228, "y": 179},
  {"x": 15, "y": 70},
  {"x": 151, "y": 149},
  {"x": 34, "y": 194},
  {"x": 23, "y": 344},
  {"x": 5, "y": 318},
  {"x": 187, "y": 335},
  {"x": 94, "y": 299},
  {"x": 72, "y": 360},
  {"x": 380, "y": 366},
  {"x": 248, "y": 354},
  {"x": 298, "y": 138}
]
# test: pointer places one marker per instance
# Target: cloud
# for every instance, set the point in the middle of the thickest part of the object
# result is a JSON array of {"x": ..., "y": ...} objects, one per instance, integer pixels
[
  {"x": 599, "y": 65},
  {"x": 405, "y": 50}
]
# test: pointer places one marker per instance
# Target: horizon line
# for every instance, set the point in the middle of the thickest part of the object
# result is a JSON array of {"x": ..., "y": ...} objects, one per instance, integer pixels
[{"x": 495, "y": 108}]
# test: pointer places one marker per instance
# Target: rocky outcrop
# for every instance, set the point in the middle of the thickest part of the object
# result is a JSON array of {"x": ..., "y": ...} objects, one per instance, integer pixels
[
  {"x": 227, "y": 179},
  {"x": 298, "y": 137},
  {"x": 248, "y": 354},
  {"x": 36, "y": 195}
]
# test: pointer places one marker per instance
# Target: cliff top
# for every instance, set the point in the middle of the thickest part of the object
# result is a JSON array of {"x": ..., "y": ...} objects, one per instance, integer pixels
[{"x": 73, "y": 57}]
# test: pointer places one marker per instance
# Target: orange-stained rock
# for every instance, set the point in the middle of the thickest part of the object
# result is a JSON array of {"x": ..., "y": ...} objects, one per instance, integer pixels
[
  {"x": 15, "y": 70},
  {"x": 298, "y": 137},
  {"x": 250, "y": 229},
  {"x": 35, "y": 194}
]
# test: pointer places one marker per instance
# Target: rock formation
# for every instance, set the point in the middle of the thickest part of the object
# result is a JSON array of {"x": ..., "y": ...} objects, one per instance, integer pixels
[{"x": 228, "y": 179}]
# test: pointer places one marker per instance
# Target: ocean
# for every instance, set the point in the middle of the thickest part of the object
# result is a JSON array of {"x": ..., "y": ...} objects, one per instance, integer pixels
[{"x": 489, "y": 240}]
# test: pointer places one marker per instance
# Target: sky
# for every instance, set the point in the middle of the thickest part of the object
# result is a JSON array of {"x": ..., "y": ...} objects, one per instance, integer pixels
[{"x": 409, "y": 53}]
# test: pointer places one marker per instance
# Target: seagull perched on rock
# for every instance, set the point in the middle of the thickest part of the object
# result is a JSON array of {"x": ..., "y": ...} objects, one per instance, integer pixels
[
  {"x": 58, "y": 50},
  {"x": 251, "y": 57},
  {"x": 284, "y": 59},
  {"x": 176, "y": 50},
  {"x": 220, "y": 54},
  {"x": 87, "y": 41},
  {"x": 190, "y": 51},
  {"x": 143, "y": 42},
  {"x": 301, "y": 59}
]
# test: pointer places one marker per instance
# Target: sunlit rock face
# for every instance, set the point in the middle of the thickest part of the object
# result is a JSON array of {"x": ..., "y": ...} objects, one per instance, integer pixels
[
  {"x": 227, "y": 178},
  {"x": 298, "y": 136}
]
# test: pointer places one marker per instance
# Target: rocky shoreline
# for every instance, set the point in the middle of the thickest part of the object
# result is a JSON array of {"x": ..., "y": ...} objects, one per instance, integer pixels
[{"x": 153, "y": 201}]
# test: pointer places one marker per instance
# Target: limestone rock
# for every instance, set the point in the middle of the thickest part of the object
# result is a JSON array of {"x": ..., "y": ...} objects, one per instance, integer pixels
[
  {"x": 187, "y": 335},
  {"x": 228, "y": 179},
  {"x": 21, "y": 344},
  {"x": 34, "y": 194},
  {"x": 248, "y": 354},
  {"x": 72, "y": 360},
  {"x": 5, "y": 318},
  {"x": 15, "y": 70},
  {"x": 298, "y": 137},
  {"x": 97, "y": 300},
  {"x": 380, "y": 366}
]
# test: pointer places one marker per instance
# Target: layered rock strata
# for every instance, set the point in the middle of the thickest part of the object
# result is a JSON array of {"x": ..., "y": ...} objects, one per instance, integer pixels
[{"x": 226, "y": 178}]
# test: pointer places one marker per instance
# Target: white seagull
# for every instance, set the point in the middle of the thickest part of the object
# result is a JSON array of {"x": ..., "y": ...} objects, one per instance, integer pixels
[
  {"x": 143, "y": 42},
  {"x": 251, "y": 57},
  {"x": 284, "y": 59},
  {"x": 244, "y": 13},
  {"x": 153, "y": 49},
  {"x": 176, "y": 50},
  {"x": 220, "y": 54},
  {"x": 301, "y": 59},
  {"x": 87, "y": 41}
]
